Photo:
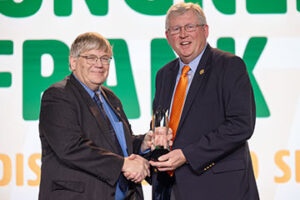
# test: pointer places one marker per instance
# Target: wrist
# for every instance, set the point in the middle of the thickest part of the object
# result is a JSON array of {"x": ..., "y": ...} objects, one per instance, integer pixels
[{"x": 125, "y": 164}]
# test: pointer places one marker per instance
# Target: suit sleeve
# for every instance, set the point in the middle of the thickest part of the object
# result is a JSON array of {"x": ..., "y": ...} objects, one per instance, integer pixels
[
  {"x": 61, "y": 130},
  {"x": 239, "y": 119}
]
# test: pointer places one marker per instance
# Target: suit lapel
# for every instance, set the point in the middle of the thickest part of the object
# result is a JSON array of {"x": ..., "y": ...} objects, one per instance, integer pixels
[
  {"x": 197, "y": 81},
  {"x": 101, "y": 121},
  {"x": 170, "y": 80},
  {"x": 116, "y": 108}
]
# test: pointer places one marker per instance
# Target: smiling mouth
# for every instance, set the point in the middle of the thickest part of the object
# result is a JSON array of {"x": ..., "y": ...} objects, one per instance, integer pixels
[
  {"x": 185, "y": 43},
  {"x": 98, "y": 72}
]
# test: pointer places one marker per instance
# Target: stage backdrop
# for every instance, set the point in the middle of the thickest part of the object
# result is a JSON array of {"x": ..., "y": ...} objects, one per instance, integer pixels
[{"x": 35, "y": 37}]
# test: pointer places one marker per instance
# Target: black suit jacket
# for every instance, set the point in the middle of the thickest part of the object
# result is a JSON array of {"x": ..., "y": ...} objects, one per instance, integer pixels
[
  {"x": 80, "y": 159},
  {"x": 217, "y": 120}
]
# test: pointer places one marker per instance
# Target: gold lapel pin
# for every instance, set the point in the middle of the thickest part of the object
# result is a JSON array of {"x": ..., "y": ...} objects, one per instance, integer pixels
[{"x": 201, "y": 71}]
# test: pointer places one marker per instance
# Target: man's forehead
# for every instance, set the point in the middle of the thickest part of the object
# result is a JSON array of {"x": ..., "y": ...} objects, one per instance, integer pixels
[
  {"x": 96, "y": 52},
  {"x": 182, "y": 16}
]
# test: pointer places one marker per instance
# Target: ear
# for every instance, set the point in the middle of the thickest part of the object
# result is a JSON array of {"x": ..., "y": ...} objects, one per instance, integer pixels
[
  {"x": 167, "y": 36},
  {"x": 73, "y": 62},
  {"x": 206, "y": 30}
]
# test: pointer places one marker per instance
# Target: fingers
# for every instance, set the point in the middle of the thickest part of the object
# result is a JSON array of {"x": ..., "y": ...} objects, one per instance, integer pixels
[
  {"x": 134, "y": 177},
  {"x": 132, "y": 157},
  {"x": 170, "y": 137},
  {"x": 146, "y": 165},
  {"x": 170, "y": 133},
  {"x": 164, "y": 157},
  {"x": 166, "y": 144},
  {"x": 170, "y": 161},
  {"x": 147, "y": 142},
  {"x": 162, "y": 166},
  {"x": 149, "y": 134},
  {"x": 163, "y": 162},
  {"x": 162, "y": 137},
  {"x": 130, "y": 175},
  {"x": 170, "y": 143},
  {"x": 137, "y": 168}
]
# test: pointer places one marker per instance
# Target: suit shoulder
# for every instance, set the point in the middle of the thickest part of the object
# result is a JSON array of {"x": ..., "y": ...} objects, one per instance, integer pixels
[
  {"x": 220, "y": 54},
  {"x": 58, "y": 88},
  {"x": 226, "y": 60},
  {"x": 60, "y": 84},
  {"x": 169, "y": 66}
]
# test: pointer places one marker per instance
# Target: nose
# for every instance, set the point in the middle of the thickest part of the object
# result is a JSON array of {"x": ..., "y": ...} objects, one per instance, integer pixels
[
  {"x": 182, "y": 32},
  {"x": 98, "y": 62}
]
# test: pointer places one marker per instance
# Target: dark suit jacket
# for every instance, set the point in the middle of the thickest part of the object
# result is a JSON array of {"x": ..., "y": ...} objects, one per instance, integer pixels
[
  {"x": 217, "y": 120},
  {"x": 79, "y": 157}
]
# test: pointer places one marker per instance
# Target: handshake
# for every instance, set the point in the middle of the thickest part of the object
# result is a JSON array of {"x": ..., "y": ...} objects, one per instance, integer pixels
[{"x": 135, "y": 167}]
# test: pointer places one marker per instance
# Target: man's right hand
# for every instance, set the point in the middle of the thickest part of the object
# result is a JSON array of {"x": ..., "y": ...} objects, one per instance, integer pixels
[{"x": 135, "y": 168}]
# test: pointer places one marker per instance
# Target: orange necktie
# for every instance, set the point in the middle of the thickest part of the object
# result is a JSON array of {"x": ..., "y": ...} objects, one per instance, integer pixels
[{"x": 178, "y": 100}]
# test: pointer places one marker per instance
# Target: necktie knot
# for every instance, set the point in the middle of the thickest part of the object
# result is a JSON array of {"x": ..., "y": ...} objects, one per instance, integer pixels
[
  {"x": 185, "y": 70},
  {"x": 97, "y": 100}
]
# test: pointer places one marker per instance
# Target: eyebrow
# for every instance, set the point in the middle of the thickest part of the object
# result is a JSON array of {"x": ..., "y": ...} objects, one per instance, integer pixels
[{"x": 105, "y": 55}]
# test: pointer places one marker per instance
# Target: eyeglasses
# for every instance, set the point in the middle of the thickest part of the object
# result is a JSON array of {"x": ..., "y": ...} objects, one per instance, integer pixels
[
  {"x": 92, "y": 60},
  {"x": 188, "y": 28}
]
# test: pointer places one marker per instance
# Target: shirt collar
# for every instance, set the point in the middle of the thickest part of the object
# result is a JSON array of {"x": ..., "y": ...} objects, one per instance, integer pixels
[{"x": 89, "y": 91}]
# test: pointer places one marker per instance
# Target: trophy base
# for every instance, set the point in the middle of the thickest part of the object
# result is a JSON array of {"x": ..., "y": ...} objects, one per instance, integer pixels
[{"x": 157, "y": 152}]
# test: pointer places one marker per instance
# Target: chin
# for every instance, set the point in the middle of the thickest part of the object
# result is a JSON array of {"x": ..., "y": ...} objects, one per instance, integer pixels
[{"x": 100, "y": 82}]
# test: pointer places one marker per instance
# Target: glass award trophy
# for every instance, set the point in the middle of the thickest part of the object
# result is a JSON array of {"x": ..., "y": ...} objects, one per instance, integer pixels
[{"x": 160, "y": 127}]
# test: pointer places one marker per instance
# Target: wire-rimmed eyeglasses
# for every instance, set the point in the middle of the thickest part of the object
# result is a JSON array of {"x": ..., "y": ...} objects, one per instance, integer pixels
[
  {"x": 188, "y": 28},
  {"x": 92, "y": 59}
]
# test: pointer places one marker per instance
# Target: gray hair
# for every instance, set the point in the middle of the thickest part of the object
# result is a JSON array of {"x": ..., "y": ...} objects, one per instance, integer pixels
[
  {"x": 181, "y": 8},
  {"x": 89, "y": 41}
]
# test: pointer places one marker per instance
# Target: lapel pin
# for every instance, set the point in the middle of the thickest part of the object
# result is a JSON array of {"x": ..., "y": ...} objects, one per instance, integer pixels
[{"x": 201, "y": 71}]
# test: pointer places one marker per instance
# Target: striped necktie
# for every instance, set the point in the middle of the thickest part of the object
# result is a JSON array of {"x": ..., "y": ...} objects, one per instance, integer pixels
[{"x": 123, "y": 182}]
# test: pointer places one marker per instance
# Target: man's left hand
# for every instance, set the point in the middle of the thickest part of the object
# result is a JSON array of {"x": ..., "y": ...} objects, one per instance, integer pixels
[
  {"x": 147, "y": 142},
  {"x": 170, "y": 161}
]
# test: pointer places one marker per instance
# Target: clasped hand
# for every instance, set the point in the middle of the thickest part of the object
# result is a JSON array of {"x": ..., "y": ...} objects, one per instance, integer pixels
[{"x": 135, "y": 168}]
